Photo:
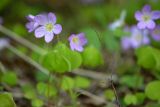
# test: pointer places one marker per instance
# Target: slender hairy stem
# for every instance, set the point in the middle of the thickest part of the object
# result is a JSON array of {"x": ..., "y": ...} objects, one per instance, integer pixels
[
  {"x": 49, "y": 89},
  {"x": 21, "y": 40},
  {"x": 2, "y": 68},
  {"x": 28, "y": 59},
  {"x": 112, "y": 66}
]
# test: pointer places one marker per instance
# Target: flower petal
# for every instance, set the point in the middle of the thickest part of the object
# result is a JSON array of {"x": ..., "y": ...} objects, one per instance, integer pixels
[
  {"x": 146, "y": 8},
  {"x": 57, "y": 29},
  {"x": 138, "y": 15},
  {"x": 41, "y": 19},
  {"x": 70, "y": 37},
  {"x": 151, "y": 24},
  {"x": 141, "y": 25},
  {"x": 30, "y": 17},
  {"x": 40, "y": 32},
  {"x": 49, "y": 36},
  {"x": 72, "y": 45},
  {"x": 155, "y": 14},
  {"x": 126, "y": 43},
  {"x": 30, "y": 26},
  {"x": 156, "y": 33},
  {"x": 79, "y": 48},
  {"x": 82, "y": 39},
  {"x": 76, "y": 47},
  {"x": 146, "y": 40},
  {"x": 52, "y": 18}
]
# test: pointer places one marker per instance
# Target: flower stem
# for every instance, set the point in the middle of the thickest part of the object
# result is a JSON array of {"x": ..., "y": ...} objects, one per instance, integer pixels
[
  {"x": 28, "y": 59},
  {"x": 21, "y": 40},
  {"x": 112, "y": 66},
  {"x": 48, "y": 92}
]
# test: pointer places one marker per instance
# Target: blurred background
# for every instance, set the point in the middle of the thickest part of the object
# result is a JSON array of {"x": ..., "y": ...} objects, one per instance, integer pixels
[{"x": 92, "y": 17}]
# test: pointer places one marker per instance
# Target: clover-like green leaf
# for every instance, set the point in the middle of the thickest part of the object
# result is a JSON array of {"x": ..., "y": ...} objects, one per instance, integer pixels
[
  {"x": 152, "y": 90},
  {"x": 10, "y": 78},
  {"x": 6, "y": 100},
  {"x": 130, "y": 99},
  {"x": 92, "y": 57},
  {"x": 61, "y": 59},
  {"x": 67, "y": 83}
]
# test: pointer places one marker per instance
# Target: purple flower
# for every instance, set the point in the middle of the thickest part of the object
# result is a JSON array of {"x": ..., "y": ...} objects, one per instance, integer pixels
[
  {"x": 136, "y": 39},
  {"x": 44, "y": 26},
  {"x": 118, "y": 23},
  {"x": 3, "y": 43},
  {"x": 77, "y": 41},
  {"x": 32, "y": 24},
  {"x": 155, "y": 33},
  {"x": 146, "y": 18}
]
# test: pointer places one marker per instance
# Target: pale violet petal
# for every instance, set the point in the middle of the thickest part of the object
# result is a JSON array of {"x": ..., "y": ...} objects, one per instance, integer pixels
[
  {"x": 52, "y": 18},
  {"x": 79, "y": 48},
  {"x": 141, "y": 25},
  {"x": 49, "y": 37},
  {"x": 71, "y": 37},
  {"x": 138, "y": 15},
  {"x": 40, "y": 32},
  {"x": 155, "y": 15},
  {"x": 151, "y": 24},
  {"x": 146, "y": 8},
  {"x": 82, "y": 39},
  {"x": 41, "y": 19},
  {"x": 57, "y": 29}
]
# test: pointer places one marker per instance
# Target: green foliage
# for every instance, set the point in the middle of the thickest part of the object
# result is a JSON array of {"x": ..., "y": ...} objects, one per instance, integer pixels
[
  {"x": 93, "y": 37},
  {"x": 46, "y": 89},
  {"x": 152, "y": 90},
  {"x": 152, "y": 105},
  {"x": 119, "y": 32},
  {"x": 148, "y": 57},
  {"x": 130, "y": 99},
  {"x": 67, "y": 83},
  {"x": 110, "y": 41},
  {"x": 10, "y": 78},
  {"x": 140, "y": 97},
  {"x": 92, "y": 57},
  {"x": 132, "y": 81},
  {"x": 109, "y": 94},
  {"x": 61, "y": 59},
  {"x": 37, "y": 103},
  {"x": 81, "y": 82},
  {"x": 4, "y": 3},
  {"x": 29, "y": 91},
  {"x": 19, "y": 29},
  {"x": 40, "y": 76},
  {"x": 6, "y": 100}
]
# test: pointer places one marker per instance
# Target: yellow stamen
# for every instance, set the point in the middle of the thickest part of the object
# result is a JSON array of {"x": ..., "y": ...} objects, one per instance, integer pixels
[
  {"x": 75, "y": 39},
  {"x": 49, "y": 27},
  {"x": 146, "y": 18}
]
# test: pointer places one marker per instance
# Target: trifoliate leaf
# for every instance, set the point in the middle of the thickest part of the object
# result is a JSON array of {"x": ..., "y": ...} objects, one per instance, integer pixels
[
  {"x": 10, "y": 78},
  {"x": 92, "y": 57},
  {"x": 130, "y": 99},
  {"x": 6, "y": 100},
  {"x": 152, "y": 90},
  {"x": 67, "y": 83},
  {"x": 81, "y": 82}
]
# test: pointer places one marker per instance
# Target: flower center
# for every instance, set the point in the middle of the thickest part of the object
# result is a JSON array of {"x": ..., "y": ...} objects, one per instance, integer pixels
[
  {"x": 49, "y": 27},
  {"x": 138, "y": 38},
  {"x": 75, "y": 40},
  {"x": 146, "y": 18}
]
